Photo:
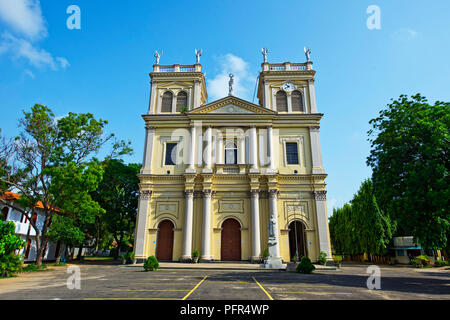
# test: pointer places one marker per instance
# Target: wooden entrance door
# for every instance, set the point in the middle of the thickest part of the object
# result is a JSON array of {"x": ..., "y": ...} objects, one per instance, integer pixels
[
  {"x": 164, "y": 244},
  {"x": 297, "y": 240},
  {"x": 231, "y": 240}
]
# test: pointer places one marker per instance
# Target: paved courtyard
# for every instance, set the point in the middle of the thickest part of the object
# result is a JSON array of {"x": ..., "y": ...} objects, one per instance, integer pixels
[{"x": 100, "y": 281}]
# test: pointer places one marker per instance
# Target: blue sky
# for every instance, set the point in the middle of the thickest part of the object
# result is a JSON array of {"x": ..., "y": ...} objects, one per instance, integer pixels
[{"x": 103, "y": 67}]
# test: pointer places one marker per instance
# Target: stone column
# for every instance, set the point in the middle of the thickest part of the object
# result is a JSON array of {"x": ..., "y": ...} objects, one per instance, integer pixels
[
  {"x": 191, "y": 167},
  {"x": 315, "y": 150},
  {"x": 197, "y": 97},
  {"x": 289, "y": 102},
  {"x": 256, "y": 234},
  {"x": 312, "y": 96},
  {"x": 148, "y": 150},
  {"x": 219, "y": 148},
  {"x": 188, "y": 218},
  {"x": 152, "y": 99},
  {"x": 274, "y": 260},
  {"x": 141, "y": 225},
  {"x": 266, "y": 95},
  {"x": 320, "y": 198},
  {"x": 241, "y": 149},
  {"x": 206, "y": 234},
  {"x": 270, "y": 150},
  {"x": 208, "y": 156},
  {"x": 253, "y": 149}
]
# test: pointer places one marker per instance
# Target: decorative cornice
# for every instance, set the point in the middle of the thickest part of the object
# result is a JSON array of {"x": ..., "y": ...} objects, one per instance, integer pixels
[
  {"x": 189, "y": 193},
  {"x": 314, "y": 129},
  {"x": 319, "y": 195},
  {"x": 145, "y": 194},
  {"x": 231, "y": 100},
  {"x": 273, "y": 193}
]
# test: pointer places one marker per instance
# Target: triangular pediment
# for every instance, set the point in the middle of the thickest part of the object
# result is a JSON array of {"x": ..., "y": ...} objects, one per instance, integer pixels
[{"x": 231, "y": 105}]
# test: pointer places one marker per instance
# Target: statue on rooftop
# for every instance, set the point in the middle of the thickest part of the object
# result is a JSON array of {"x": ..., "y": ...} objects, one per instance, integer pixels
[
  {"x": 264, "y": 52},
  {"x": 307, "y": 53},
  {"x": 198, "y": 54},
  {"x": 157, "y": 56},
  {"x": 230, "y": 85}
]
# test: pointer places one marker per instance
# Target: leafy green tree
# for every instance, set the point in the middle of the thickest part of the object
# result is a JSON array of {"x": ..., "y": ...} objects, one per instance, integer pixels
[
  {"x": 410, "y": 161},
  {"x": 51, "y": 162},
  {"x": 65, "y": 230},
  {"x": 373, "y": 227},
  {"x": 10, "y": 263},
  {"x": 118, "y": 195},
  {"x": 360, "y": 227}
]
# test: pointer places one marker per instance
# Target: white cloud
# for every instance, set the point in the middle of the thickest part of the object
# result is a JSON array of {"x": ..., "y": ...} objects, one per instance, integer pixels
[
  {"x": 25, "y": 17},
  {"x": 63, "y": 62},
  {"x": 30, "y": 74},
  {"x": 23, "y": 49},
  {"x": 27, "y": 24},
  {"x": 405, "y": 34},
  {"x": 244, "y": 81}
]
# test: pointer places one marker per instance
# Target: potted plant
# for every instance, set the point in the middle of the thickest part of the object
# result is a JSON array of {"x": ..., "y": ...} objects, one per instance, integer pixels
[
  {"x": 124, "y": 258},
  {"x": 195, "y": 256},
  {"x": 131, "y": 257},
  {"x": 322, "y": 258},
  {"x": 337, "y": 261},
  {"x": 265, "y": 254}
]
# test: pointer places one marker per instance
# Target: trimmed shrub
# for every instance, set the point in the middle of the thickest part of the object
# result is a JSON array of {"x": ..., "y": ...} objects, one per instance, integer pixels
[
  {"x": 322, "y": 257},
  {"x": 34, "y": 267},
  {"x": 151, "y": 264},
  {"x": 424, "y": 260},
  {"x": 305, "y": 266},
  {"x": 10, "y": 265},
  {"x": 441, "y": 263}
]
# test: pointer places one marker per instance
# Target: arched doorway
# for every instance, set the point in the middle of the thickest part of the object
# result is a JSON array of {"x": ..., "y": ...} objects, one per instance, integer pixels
[
  {"x": 231, "y": 240},
  {"x": 297, "y": 240},
  {"x": 164, "y": 241}
]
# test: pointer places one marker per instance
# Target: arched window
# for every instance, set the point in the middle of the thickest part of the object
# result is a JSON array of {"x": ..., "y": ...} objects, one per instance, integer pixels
[
  {"x": 281, "y": 101},
  {"x": 230, "y": 153},
  {"x": 166, "y": 105},
  {"x": 181, "y": 101},
  {"x": 297, "y": 101}
]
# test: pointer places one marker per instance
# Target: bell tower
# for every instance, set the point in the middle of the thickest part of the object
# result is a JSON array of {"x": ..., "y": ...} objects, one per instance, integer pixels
[
  {"x": 176, "y": 88},
  {"x": 287, "y": 87}
]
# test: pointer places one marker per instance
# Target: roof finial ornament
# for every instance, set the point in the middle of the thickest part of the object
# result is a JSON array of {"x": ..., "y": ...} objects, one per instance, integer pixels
[
  {"x": 198, "y": 54},
  {"x": 264, "y": 52},
  {"x": 157, "y": 56},
  {"x": 230, "y": 85},
  {"x": 307, "y": 53}
]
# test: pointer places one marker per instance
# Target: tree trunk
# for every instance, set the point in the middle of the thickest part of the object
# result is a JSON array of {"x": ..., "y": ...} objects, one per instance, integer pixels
[
  {"x": 38, "y": 249},
  {"x": 58, "y": 253},
  {"x": 80, "y": 252}
]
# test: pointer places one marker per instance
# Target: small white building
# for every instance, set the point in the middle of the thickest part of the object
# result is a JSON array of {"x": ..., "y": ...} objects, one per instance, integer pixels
[
  {"x": 25, "y": 230},
  {"x": 405, "y": 248}
]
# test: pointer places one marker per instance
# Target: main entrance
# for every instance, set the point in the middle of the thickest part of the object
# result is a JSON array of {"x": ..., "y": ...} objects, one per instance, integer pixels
[
  {"x": 297, "y": 240},
  {"x": 164, "y": 244},
  {"x": 231, "y": 241}
]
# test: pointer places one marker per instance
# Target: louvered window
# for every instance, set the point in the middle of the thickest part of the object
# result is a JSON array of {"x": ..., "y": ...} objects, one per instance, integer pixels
[
  {"x": 297, "y": 101},
  {"x": 231, "y": 154},
  {"x": 166, "y": 105},
  {"x": 291, "y": 153},
  {"x": 282, "y": 101},
  {"x": 181, "y": 101},
  {"x": 171, "y": 154}
]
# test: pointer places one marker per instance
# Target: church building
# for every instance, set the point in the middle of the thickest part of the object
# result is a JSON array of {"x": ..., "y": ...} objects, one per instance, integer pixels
[{"x": 235, "y": 180}]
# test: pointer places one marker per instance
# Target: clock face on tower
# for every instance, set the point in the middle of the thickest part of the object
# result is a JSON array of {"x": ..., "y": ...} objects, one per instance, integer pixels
[{"x": 288, "y": 87}]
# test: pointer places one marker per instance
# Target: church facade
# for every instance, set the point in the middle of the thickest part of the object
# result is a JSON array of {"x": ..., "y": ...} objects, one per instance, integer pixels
[{"x": 232, "y": 179}]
